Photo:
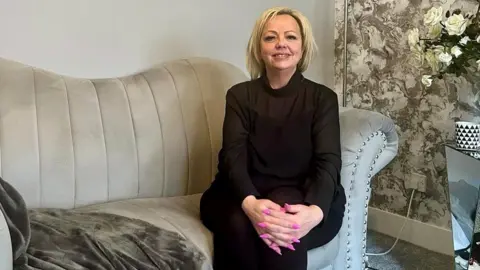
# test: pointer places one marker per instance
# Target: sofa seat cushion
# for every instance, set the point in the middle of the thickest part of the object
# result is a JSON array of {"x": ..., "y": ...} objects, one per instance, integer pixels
[{"x": 182, "y": 215}]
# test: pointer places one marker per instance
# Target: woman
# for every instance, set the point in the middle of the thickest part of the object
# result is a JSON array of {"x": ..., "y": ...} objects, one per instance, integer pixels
[{"x": 277, "y": 193}]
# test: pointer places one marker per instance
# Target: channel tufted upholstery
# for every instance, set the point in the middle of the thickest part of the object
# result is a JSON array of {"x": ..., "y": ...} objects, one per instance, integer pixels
[
  {"x": 146, "y": 146},
  {"x": 152, "y": 134}
]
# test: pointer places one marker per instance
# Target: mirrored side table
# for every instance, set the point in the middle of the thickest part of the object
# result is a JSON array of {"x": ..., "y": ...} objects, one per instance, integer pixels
[{"x": 463, "y": 170}]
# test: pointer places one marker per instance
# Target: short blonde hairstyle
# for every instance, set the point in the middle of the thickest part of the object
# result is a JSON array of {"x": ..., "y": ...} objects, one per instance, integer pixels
[{"x": 255, "y": 64}]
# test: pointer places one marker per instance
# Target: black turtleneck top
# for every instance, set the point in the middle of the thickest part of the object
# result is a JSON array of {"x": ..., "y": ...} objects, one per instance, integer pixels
[{"x": 281, "y": 137}]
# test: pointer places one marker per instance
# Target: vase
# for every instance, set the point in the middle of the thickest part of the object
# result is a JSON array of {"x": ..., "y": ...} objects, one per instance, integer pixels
[{"x": 467, "y": 135}]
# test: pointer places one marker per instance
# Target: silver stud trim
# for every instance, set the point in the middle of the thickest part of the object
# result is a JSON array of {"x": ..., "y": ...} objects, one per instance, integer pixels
[{"x": 349, "y": 233}]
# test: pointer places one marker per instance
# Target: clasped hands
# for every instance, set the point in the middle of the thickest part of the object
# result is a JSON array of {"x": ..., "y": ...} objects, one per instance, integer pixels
[{"x": 281, "y": 226}]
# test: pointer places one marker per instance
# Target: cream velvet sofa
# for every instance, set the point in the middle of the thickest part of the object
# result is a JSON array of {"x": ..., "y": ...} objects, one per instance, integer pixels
[{"x": 145, "y": 146}]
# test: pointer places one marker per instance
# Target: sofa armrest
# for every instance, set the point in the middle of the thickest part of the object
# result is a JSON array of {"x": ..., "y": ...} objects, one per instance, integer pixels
[
  {"x": 358, "y": 126},
  {"x": 369, "y": 142},
  {"x": 6, "y": 256}
]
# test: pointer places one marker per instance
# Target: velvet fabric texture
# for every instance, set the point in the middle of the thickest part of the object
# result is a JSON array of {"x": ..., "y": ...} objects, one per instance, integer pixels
[{"x": 57, "y": 239}]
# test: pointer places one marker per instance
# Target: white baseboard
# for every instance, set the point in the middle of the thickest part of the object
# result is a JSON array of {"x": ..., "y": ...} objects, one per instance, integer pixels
[{"x": 418, "y": 233}]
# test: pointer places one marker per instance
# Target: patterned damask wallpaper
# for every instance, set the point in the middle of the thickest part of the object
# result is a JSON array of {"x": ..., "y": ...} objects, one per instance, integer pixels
[{"x": 380, "y": 78}]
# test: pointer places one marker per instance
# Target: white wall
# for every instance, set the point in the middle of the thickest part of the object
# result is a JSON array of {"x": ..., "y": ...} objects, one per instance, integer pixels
[{"x": 108, "y": 38}]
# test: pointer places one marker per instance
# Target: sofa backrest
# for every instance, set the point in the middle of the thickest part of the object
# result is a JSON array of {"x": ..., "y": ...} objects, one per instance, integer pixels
[{"x": 68, "y": 142}]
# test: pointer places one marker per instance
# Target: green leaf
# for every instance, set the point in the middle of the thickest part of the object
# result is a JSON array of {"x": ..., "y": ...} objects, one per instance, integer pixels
[{"x": 472, "y": 30}]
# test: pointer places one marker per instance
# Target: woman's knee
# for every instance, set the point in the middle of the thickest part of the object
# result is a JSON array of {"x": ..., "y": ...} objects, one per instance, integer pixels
[
  {"x": 237, "y": 223},
  {"x": 230, "y": 222},
  {"x": 282, "y": 195}
]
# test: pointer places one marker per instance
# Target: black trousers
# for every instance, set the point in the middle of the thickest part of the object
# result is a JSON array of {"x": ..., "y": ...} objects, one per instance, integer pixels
[{"x": 237, "y": 245}]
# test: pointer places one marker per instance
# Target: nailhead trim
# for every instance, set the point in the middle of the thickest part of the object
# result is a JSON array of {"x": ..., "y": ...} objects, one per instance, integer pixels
[{"x": 365, "y": 223}]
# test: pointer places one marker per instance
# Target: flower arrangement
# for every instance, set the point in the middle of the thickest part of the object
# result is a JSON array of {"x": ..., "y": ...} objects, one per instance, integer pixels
[{"x": 451, "y": 45}]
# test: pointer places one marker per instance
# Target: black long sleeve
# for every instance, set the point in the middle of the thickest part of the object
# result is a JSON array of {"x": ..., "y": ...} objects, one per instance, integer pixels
[
  {"x": 327, "y": 161},
  {"x": 235, "y": 136}
]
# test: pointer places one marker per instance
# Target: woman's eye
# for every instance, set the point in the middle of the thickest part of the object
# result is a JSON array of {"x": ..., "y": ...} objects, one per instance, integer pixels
[
  {"x": 269, "y": 38},
  {"x": 292, "y": 37}
]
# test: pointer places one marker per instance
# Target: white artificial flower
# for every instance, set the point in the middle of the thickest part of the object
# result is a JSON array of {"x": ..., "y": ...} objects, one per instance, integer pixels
[
  {"x": 478, "y": 63},
  {"x": 434, "y": 31},
  {"x": 456, "y": 51},
  {"x": 445, "y": 58},
  {"x": 427, "y": 80},
  {"x": 456, "y": 24},
  {"x": 478, "y": 39},
  {"x": 433, "y": 16},
  {"x": 413, "y": 37},
  {"x": 464, "y": 40}
]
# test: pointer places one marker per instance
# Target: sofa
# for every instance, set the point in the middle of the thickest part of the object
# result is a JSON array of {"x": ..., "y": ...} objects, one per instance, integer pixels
[{"x": 145, "y": 147}]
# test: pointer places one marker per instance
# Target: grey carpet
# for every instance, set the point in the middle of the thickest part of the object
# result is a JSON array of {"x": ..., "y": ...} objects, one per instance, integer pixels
[{"x": 404, "y": 256}]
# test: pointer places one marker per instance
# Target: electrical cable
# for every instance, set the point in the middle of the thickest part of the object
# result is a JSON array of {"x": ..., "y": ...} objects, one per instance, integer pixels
[{"x": 400, "y": 232}]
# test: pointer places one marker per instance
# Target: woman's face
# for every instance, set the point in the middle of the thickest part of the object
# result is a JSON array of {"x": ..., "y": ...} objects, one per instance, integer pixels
[{"x": 281, "y": 43}]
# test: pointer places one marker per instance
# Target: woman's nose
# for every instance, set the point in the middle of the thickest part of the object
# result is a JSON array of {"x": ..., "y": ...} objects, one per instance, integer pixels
[{"x": 281, "y": 43}]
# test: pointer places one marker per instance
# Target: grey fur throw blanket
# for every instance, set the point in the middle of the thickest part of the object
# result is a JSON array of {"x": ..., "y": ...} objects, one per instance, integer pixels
[{"x": 58, "y": 239}]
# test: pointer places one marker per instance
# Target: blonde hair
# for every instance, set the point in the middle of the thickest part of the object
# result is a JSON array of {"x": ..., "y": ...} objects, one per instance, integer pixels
[{"x": 255, "y": 64}]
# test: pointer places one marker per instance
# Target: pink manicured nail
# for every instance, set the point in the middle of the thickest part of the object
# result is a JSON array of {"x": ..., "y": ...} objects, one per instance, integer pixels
[
  {"x": 295, "y": 240},
  {"x": 291, "y": 247},
  {"x": 262, "y": 225},
  {"x": 264, "y": 236},
  {"x": 276, "y": 249},
  {"x": 287, "y": 206},
  {"x": 266, "y": 211},
  {"x": 296, "y": 226},
  {"x": 283, "y": 210}
]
